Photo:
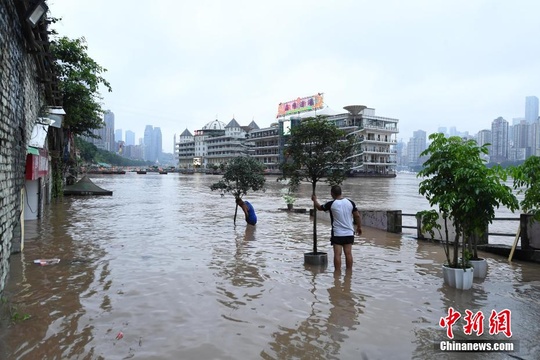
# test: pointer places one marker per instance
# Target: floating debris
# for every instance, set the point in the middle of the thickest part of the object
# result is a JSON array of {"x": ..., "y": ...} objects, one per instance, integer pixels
[{"x": 44, "y": 262}]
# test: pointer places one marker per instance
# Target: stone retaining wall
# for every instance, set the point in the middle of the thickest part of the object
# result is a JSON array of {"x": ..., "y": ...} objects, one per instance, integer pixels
[
  {"x": 20, "y": 102},
  {"x": 387, "y": 220}
]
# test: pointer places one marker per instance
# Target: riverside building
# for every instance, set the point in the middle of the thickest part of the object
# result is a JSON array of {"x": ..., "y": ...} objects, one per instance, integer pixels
[
  {"x": 213, "y": 145},
  {"x": 217, "y": 143},
  {"x": 376, "y": 137}
]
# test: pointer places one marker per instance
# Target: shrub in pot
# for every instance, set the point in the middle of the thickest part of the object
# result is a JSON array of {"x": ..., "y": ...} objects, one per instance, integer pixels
[
  {"x": 526, "y": 178},
  {"x": 466, "y": 192}
]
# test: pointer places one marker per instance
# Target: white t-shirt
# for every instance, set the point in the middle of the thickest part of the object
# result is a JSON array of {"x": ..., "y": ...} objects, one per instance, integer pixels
[{"x": 341, "y": 217}]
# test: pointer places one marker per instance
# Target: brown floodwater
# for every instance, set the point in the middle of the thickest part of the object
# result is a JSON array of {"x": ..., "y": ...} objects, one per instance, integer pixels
[{"x": 159, "y": 271}]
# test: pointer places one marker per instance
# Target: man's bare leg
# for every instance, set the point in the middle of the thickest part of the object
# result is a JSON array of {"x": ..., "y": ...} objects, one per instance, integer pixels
[
  {"x": 337, "y": 256},
  {"x": 347, "y": 249}
]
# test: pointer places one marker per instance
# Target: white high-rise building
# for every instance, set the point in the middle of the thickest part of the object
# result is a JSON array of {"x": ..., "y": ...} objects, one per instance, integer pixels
[
  {"x": 118, "y": 135},
  {"x": 499, "y": 140},
  {"x": 416, "y": 145},
  {"x": 531, "y": 109},
  {"x": 148, "y": 142},
  {"x": 130, "y": 137},
  {"x": 157, "y": 143},
  {"x": 107, "y": 132},
  {"x": 483, "y": 137}
]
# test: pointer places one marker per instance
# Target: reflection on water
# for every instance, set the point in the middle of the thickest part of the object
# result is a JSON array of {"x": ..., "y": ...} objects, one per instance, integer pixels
[
  {"x": 162, "y": 262},
  {"x": 321, "y": 334}
]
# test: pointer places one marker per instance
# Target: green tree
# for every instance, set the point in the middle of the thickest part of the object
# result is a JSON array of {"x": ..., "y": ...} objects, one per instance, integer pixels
[
  {"x": 527, "y": 182},
  {"x": 80, "y": 78},
  {"x": 316, "y": 149},
  {"x": 465, "y": 190},
  {"x": 242, "y": 174},
  {"x": 87, "y": 150}
]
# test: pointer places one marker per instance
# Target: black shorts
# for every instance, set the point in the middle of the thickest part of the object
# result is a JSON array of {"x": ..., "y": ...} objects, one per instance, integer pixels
[{"x": 342, "y": 240}]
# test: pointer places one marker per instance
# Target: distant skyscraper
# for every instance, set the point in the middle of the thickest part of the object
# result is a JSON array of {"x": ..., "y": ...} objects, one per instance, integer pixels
[
  {"x": 118, "y": 135},
  {"x": 531, "y": 109},
  {"x": 499, "y": 140},
  {"x": 130, "y": 137},
  {"x": 483, "y": 137},
  {"x": 105, "y": 134},
  {"x": 416, "y": 145},
  {"x": 108, "y": 139},
  {"x": 158, "y": 144},
  {"x": 515, "y": 121},
  {"x": 521, "y": 134},
  {"x": 148, "y": 142},
  {"x": 401, "y": 147},
  {"x": 535, "y": 135},
  {"x": 442, "y": 130}
]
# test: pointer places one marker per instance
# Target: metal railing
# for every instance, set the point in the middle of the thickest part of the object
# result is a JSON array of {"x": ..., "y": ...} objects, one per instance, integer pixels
[{"x": 489, "y": 233}]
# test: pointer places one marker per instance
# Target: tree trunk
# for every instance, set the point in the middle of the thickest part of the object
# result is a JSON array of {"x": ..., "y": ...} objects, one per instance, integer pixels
[
  {"x": 313, "y": 185},
  {"x": 456, "y": 249},
  {"x": 235, "y": 211},
  {"x": 56, "y": 146}
]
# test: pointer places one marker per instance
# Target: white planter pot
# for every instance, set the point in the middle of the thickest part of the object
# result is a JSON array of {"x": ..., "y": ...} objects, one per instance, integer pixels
[
  {"x": 458, "y": 278},
  {"x": 480, "y": 268}
]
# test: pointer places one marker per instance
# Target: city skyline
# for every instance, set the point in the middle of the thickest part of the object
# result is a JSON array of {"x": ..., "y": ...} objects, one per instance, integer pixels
[{"x": 530, "y": 101}]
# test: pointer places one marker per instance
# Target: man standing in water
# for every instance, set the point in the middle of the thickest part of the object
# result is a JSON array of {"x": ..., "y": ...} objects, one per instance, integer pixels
[
  {"x": 249, "y": 211},
  {"x": 342, "y": 212}
]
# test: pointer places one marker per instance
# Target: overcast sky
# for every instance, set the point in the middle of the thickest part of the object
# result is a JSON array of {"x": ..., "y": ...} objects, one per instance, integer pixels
[{"x": 180, "y": 64}]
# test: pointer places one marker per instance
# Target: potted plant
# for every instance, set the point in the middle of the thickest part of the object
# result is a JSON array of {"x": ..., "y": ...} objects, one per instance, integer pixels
[
  {"x": 290, "y": 199},
  {"x": 490, "y": 191},
  {"x": 466, "y": 191},
  {"x": 457, "y": 271},
  {"x": 316, "y": 149}
]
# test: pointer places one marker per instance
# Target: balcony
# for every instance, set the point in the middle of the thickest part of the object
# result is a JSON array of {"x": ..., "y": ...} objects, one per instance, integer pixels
[{"x": 393, "y": 130}]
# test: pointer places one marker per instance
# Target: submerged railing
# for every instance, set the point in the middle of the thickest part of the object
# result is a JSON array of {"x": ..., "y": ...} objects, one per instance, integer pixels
[{"x": 517, "y": 220}]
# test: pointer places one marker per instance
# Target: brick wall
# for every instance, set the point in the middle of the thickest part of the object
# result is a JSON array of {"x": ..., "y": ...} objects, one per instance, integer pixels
[{"x": 21, "y": 98}]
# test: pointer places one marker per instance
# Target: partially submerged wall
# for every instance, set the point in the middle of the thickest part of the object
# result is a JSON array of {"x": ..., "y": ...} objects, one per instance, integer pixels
[
  {"x": 20, "y": 102},
  {"x": 387, "y": 220}
]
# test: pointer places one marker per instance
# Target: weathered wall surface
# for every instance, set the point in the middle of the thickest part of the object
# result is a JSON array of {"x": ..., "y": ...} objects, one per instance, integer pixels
[
  {"x": 20, "y": 102},
  {"x": 387, "y": 220}
]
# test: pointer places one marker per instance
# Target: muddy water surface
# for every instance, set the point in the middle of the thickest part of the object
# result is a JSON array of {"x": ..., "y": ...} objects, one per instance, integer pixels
[{"x": 159, "y": 271}]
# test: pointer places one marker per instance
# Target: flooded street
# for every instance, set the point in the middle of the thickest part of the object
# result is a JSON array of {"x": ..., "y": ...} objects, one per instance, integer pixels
[{"x": 159, "y": 271}]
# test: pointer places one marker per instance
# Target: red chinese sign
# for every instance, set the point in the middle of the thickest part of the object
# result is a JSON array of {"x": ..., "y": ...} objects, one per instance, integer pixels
[
  {"x": 300, "y": 105},
  {"x": 499, "y": 322}
]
